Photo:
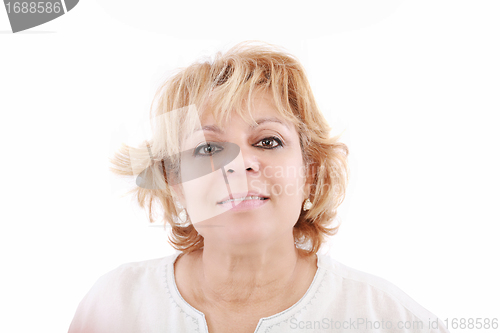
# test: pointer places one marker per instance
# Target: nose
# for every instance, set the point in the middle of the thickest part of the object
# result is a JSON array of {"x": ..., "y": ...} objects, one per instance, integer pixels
[
  {"x": 248, "y": 161},
  {"x": 251, "y": 165}
]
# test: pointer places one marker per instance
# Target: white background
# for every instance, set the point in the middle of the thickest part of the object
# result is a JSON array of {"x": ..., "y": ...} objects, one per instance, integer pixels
[{"x": 415, "y": 84}]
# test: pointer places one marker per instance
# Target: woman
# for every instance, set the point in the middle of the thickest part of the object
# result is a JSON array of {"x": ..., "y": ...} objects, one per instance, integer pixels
[{"x": 245, "y": 172}]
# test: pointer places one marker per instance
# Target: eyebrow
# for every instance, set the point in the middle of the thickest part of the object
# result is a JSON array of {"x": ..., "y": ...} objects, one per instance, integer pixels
[
  {"x": 216, "y": 129},
  {"x": 211, "y": 128},
  {"x": 267, "y": 120}
]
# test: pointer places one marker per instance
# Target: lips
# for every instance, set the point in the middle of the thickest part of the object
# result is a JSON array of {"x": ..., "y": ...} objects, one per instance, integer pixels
[{"x": 240, "y": 197}]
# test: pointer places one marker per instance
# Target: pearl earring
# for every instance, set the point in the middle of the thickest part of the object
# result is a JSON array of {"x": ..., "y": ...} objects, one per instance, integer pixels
[
  {"x": 307, "y": 204},
  {"x": 183, "y": 215}
]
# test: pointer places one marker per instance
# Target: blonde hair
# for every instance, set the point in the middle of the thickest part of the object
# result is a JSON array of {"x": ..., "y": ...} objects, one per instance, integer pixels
[{"x": 228, "y": 81}]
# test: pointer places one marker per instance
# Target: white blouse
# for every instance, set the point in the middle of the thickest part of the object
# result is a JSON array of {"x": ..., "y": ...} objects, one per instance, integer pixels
[{"x": 143, "y": 297}]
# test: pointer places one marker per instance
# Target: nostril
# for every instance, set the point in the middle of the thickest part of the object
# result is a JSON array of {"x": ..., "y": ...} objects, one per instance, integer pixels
[
  {"x": 254, "y": 167},
  {"x": 230, "y": 170}
]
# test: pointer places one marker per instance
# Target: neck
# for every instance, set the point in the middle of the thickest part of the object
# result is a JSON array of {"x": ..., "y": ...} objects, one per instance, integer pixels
[{"x": 239, "y": 276}]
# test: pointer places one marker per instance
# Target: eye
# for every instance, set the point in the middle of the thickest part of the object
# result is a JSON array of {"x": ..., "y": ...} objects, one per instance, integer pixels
[
  {"x": 207, "y": 149},
  {"x": 269, "y": 143}
]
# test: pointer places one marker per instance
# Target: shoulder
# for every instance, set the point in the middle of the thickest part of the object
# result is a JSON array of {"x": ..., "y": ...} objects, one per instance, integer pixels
[
  {"x": 120, "y": 293},
  {"x": 360, "y": 284},
  {"x": 132, "y": 271},
  {"x": 130, "y": 277},
  {"x": 363, "y": 294}
]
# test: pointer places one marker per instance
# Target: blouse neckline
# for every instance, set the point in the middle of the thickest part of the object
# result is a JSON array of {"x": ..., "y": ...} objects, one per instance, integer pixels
[{"x": 198, "y": 317}]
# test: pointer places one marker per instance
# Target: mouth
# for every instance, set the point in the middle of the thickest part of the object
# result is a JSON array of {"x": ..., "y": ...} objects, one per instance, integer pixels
[{"x": 237, "y": 198}]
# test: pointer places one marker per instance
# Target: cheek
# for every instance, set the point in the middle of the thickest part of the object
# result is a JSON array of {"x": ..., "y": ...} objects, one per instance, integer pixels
[
  {"x": 289, "y": 197},
  {"x": 285, "y": 187},
  {"x": 200, "y": 197},
  {"x": 194, "y": 192},
  {"x": 286, "y": 179}
]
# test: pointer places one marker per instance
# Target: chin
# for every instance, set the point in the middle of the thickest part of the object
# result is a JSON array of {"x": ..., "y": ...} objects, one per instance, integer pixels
[{"x": 238, "y": 229}]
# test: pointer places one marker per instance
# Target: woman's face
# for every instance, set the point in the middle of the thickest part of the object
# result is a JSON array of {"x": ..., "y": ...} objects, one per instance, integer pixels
[{"x": 254, "y": 195}]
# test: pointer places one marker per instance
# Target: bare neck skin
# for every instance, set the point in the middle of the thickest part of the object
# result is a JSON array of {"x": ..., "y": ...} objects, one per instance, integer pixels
[{"x": 272, "y": 275}]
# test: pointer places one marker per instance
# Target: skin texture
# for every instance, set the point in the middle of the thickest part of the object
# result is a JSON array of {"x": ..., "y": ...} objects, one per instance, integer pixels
[{"x": 249, "y": 267}]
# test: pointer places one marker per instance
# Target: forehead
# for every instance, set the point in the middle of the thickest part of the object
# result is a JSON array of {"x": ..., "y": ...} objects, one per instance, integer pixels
[{"x": 258, "y": 109}]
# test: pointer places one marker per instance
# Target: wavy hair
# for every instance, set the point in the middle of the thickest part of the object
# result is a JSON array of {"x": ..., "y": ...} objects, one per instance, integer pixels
[{"x": 228, "y": 80}]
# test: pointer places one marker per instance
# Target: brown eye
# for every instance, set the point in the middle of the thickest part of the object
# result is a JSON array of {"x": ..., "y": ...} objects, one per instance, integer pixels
[{"x": 269, "y": 143}]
